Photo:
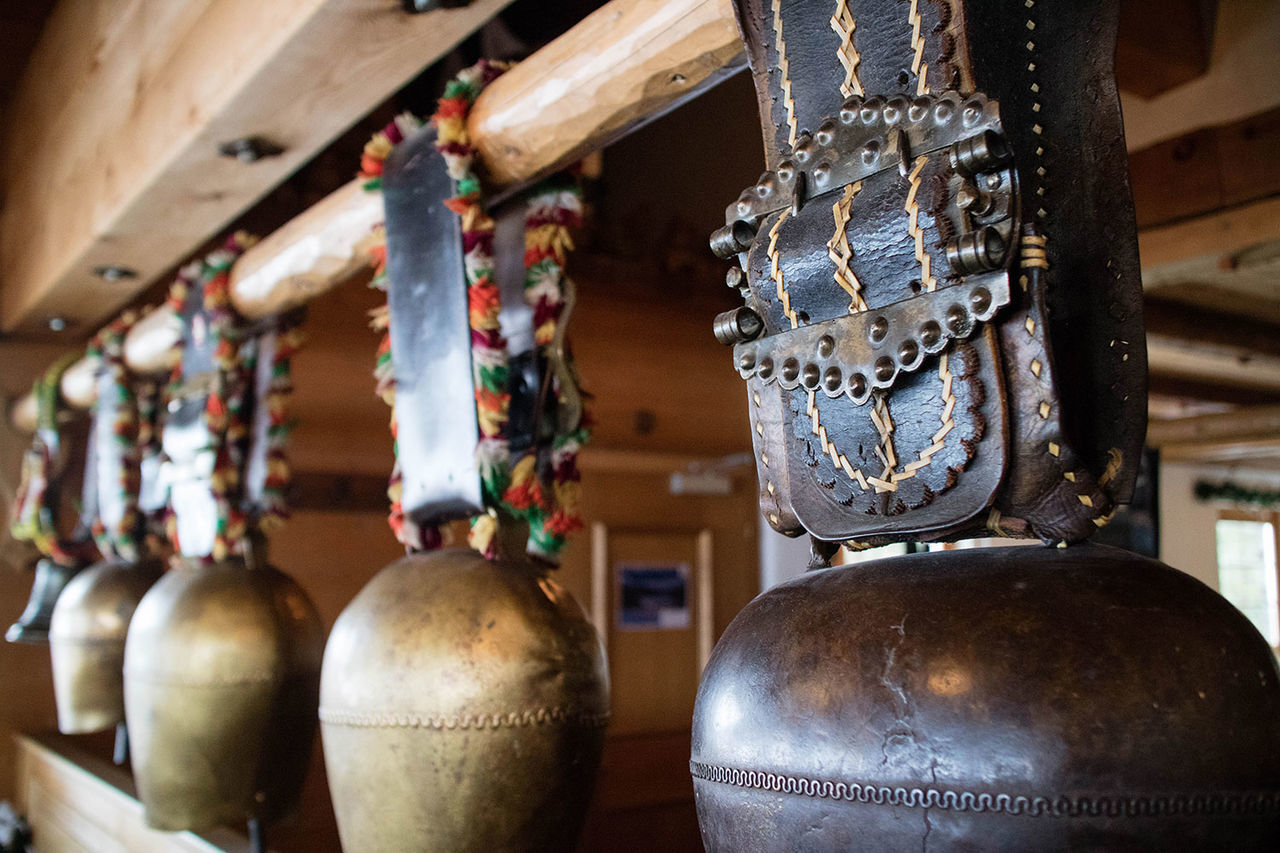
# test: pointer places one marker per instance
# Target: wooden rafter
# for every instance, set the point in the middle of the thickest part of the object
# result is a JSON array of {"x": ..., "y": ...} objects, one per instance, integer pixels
[{"x": 112, "y": 151}]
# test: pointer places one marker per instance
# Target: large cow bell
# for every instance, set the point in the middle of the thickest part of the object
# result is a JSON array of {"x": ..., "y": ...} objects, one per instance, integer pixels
[
  {"x": 462, "y": 708},
  {"x": 86, "y": 642},
  {"x": 221, "y": 673},
  {"x": 996, "y": 699}
]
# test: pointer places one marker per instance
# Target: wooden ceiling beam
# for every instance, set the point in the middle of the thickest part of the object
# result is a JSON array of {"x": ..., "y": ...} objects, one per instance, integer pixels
[
  {"x": 112, "y": 146},
  {"x": 1241, "y": 425},
  {"x": 1216, "y": 331}
]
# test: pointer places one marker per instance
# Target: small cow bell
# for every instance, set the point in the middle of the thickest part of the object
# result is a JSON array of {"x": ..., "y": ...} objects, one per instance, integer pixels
[
  {"x": 221, "y": 673},
  {"x": 86, "y": 642},
  {"x": 462, "y": 708},
  {"x": 994, "y": 699},
  {"x": 33, "y": 625}
]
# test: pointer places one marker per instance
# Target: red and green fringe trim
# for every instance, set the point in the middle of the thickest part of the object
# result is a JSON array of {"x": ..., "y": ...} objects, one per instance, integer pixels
[{"x": 121, "y": 541}]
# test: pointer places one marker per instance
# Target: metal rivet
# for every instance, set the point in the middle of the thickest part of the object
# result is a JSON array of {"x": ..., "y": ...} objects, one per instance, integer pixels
[
  {"x": 57, "y": 324},
  {"x": 870, "y": 152},
  {"x": 803, "y": 149},
  {"x": 766, "y": 367},
  {"x": 811, "y": 375},
  {"x": 908, "y": 350},
  {"x": 930, "y": 334},
  {"x": 942, "y": 112},
  {"x": 790, "y": 370},
  {"x": 114, "y": 272},
  {"x": 993, "y": 181},
  {"x": 858, "y": 385},
  {"x": 786, "y": 171},
  {"x": 957, "y": 319},
  {"x": 849, "y": 112},
  {"x": 747, "y": 360},
  {"x": 250, "y": 149},
  {"x": 884, "y": 368},
  {"x": 919, "y": 109},
  {"x": 980, "y": 299},
  {"x": 821, "y": 173},
  {"x": 870, "y": 111},
  {"x": 831, "y": 379},
  {"x": 733, "y": 278},
  {"x": 826, "y": 132},
  {"x": 879, "y": 328},
  {"x": 826, "y": 346}
]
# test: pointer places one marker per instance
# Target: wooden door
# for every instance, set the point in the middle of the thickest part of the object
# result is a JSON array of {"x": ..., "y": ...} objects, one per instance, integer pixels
[{"x": 640, "y": 533}]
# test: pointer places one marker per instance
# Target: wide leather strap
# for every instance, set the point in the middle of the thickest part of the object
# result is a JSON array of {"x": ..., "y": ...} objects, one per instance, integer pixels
[{"x": 929, "y": 449}]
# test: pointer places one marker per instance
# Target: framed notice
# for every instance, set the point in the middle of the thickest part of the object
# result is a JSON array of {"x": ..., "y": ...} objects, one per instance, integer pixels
[{"x": 653, "y": 596}]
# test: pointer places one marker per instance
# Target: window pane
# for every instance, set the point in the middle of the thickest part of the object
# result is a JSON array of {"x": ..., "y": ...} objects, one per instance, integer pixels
[{"x": 1247, "y": 573}]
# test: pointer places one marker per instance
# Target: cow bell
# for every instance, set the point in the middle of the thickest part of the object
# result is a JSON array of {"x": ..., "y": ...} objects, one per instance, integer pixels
[
  {"x": 86, "y": 642},
  {"x": 462, "y": 708},
  {"x": 33, "y": 625},
  {"x": 997, "y": 699},
  {"x": 221, "y": 673}
]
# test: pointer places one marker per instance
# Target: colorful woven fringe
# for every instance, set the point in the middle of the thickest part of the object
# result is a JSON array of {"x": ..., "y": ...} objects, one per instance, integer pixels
[
  {"x": 120, "y": 541},
  {"x": 554, "y": 207}
]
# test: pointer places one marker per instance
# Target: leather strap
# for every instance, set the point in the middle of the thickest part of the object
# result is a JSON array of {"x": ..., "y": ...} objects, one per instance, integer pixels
[{"x": 1067, "y": 355}]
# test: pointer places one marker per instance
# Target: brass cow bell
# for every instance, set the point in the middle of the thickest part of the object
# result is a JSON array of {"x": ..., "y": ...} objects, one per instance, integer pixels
[
  {"x": 462, "y": 708},
  {"x": 86, "y": 642},
  {"x": 222, "y": 668}
]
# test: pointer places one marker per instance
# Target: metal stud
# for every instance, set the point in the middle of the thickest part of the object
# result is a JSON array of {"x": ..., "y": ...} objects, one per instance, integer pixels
[
  {"x": 870, "y": 111},
  {"x": 804, "y": 148},
  {"x": 790, "y": 370},
  {"x": 908, "y": 352},
  {"x": 884, "y": 368},
  {"x": 766, "y": 367},
  {"x": 747, "y": 360},
  {"x": 919, "y": 109},
  {"x": 733, "y": 277},
  {"x": 879, "y": 328},
  {"x": 826, "y": 132},
  {"x": 786, "y": 171},
  {"x": 826, "y": 346},
  {"x": 980, "y": 299},
  {"x": 822, "y": 174},
  {"x": 858, "y": 385},
  {"x": 831, "y": 380},
  {"x": 812, "y": 373},
  {"x": 871, "y": 152},
  {"x": 957, "y": 320},
  {"x": 849, "y": 112},
  {"x": 930, "y": 334}
]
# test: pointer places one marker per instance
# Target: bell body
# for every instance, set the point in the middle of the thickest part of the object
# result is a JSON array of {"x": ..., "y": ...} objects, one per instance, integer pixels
[
  {"x": 462, "y": 708},
  {"x": 33, "y": 625},
  {"x": 86, "y": 642},
  {"x": 997, "y": 699},
  {"x": 221, "y": 675}
]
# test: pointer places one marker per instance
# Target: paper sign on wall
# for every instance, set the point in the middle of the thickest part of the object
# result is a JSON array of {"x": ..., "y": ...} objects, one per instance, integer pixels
[{"x": 653, "y": 596}]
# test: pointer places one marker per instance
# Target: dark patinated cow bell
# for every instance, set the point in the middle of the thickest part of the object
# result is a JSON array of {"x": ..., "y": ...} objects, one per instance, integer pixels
[
  {"x": 221, "y": 674},
  {"x": 462, "y": 708},
  {"x": 990, "y": 699},
  {"x": 86, "y": 642}
]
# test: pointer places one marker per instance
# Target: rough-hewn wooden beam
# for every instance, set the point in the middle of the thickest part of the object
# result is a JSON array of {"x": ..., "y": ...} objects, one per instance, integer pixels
[
  {"x": 1217, "y": 233},
  {"x": 621, "y": 66},
  {"x": 112, "y": 150}
]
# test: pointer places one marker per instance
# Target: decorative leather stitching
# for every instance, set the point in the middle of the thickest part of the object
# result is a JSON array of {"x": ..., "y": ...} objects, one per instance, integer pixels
[
  {"x": 841, "y": 253},
  {"x": 511, "y": 720},
  {"x": 918, "y": 66},
  {"x": 1111, "y": 805},
  {"x": 912, "y": 207},
  {"x": 784, "y": 68},
  {"x": 843, "y": 23}
]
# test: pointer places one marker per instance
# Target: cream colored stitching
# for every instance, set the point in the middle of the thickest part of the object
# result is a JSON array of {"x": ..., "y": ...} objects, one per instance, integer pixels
[
  {"x": 843, "y": 23},
  {"x": 839, "y": 251},
  {"x": 912, "y": 208},
  {"x": 918, "y": 66},
  {"x": 784, "y": 68}
]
